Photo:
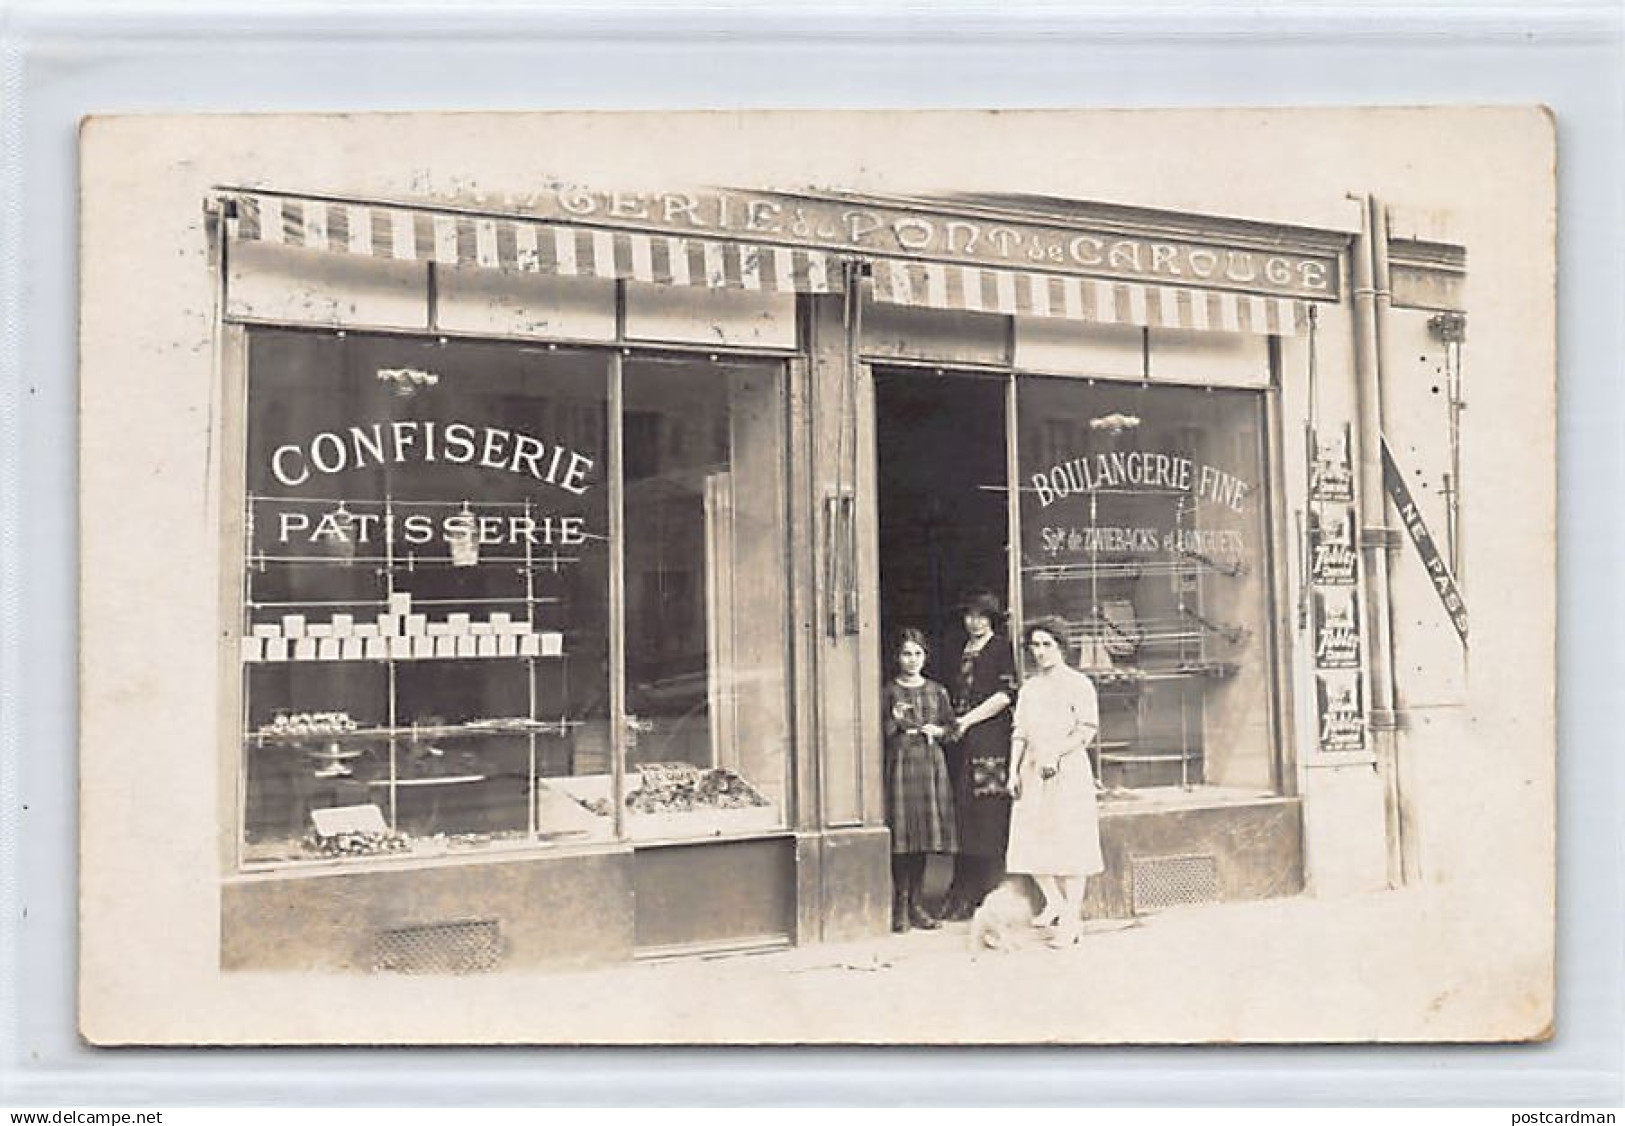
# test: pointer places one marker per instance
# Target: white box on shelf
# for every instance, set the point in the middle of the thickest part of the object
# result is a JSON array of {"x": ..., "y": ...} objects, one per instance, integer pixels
[
  {"x": 293, "y": 626},
  {"x": 266, "y": 631},
  {"x": 329, "y": 649},
  {"x": 487, "y": 645},
  {"x": 517, "y": 629},
  {"x": 507, "y": 645},
  {"x": 400, "y": 604},
  {"x": 389, "y": 625},
  {"x": 422, "y": 645},
  {"x": 367, "y": 631},
  {"x": 304, "y": 649},
  {"x": 352, "y": 648},
  {"x": 417, "y": 625},
  {"x": 467, "y": 645},
  {"x": 253, "y": 648},
  {"x": 500, "y": 620},
  {"x": 343, "y": 625},
  {"x": 552, "y": 644},
  {"x": 401, "y": 648},
  {"x": 444, "y": 646},
  {"x": 530, "y": 645},
  {"x": 481, "y": 629},
  {"x": 377, "y": 648},
  {"x": 276, "y": 649},
  {"x": 459, "y": 623},
  {"x": 319, "y": 630},
  {"x": 437, "y": 629}
]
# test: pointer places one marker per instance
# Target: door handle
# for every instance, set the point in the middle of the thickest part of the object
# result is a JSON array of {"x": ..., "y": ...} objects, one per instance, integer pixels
[{"x": 841, "y": 563}]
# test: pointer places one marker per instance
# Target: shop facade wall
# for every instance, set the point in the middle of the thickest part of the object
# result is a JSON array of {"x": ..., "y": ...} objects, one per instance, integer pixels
[
  {"x": 1346, "y": 822},
  {"x": 1430, "y": 671},
  {"x": 710, "y": 893},
  {"x": 1261, "y": 759},
  {"x": 845, "y": 596},
  {"x": 550, "y": 911},
  {"x": 1253, "y": 851},
  {"x": 1345, "y": 836},
  {"x": 736, "y": 318},
  {"x": 288, "y": 285},
  {"x": 838, "y": 659},
  {"x": 1063, "y": 347},
  {"x": 1436, "y": 758},
  {"x": 843, "y": 884},
  {"x": 899, "y": 332},
  {"x": 501, "y": 303},
  {"x": 1212, "y": 359},
  {"x": 836, "y": 761}
]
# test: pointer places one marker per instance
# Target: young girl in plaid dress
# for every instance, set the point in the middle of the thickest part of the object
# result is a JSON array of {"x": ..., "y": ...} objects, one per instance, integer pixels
[{"x": 918, "y": 716}]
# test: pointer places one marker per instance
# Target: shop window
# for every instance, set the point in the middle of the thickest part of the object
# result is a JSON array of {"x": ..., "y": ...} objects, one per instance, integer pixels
[
  {"x": 425, "y": 598},
  {"x": 427, "y": 609},
  {"x": 706, "y": 601},
  {"x": 1143, "y": 528}
]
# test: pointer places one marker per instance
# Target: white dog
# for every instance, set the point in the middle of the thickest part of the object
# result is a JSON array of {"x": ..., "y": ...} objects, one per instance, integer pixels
[{"x": 1004, "y": 921}]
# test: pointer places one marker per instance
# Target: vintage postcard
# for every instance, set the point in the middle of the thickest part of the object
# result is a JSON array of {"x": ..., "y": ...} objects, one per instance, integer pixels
[{"x": 914, "y": 578}]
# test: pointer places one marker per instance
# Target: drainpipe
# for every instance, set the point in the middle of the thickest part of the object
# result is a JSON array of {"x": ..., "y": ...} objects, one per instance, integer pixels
[
  {"x": 1372, "y": 298},
  {"x": 1405, "y": 837}
]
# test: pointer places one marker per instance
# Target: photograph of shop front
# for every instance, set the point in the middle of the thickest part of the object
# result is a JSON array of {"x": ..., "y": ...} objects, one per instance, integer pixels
[{"x": 569, "y": 535}]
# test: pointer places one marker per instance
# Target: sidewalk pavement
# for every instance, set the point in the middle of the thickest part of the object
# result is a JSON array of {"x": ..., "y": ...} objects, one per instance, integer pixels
[{"x": 1389, "y": 965}]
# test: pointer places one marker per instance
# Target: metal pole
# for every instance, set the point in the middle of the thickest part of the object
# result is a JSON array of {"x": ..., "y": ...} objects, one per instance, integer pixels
[{"x": 618, "y": 719}]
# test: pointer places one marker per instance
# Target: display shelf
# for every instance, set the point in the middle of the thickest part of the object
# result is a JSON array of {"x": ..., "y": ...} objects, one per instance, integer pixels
[
  {"x": 521, "y": 654},
  {"x": 409, "y": 561},
  {"x": 505, "y": 726},
  {"x": 433, "y": 780},
  {"x": 386, "y": 503},
  {"x": 1131, "y": 677},
  {"x": 593, "y": 792},
  {"x": 510, "y": 600},
  {"x": 1133, "y": 578},
  {"x": 400, "y": 610},
  {"x": 1123, "y": 757},
  {"x": 1127, "y": 570}
]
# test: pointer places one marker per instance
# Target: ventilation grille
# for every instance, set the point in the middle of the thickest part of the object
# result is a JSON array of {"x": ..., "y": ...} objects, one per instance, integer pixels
[
  {"x": 1174, "y": 881},
  {"x": 470, "y": 947}
]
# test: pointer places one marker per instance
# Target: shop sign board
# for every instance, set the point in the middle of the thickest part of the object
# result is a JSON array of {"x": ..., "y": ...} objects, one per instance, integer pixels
[
  {"x": 1444, "y": 583},
  {"x": 965, "y": 239},
  {"x": 1331, "y": 473},
  {"x": 1331, "y": 541},
  {"x": 1342, "y": 715},
  {"x": 1337, "y": 629},
  {"x": 454, "y": 444}
]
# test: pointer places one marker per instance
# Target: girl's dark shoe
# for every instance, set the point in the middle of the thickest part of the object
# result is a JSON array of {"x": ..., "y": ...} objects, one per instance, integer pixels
[{"x": 920, "y": 918}]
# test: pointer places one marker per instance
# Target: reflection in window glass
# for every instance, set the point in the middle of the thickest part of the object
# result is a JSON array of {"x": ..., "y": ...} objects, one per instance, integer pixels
[
  {"x": 706, "y": 604},
  {"x": 1143, "y": 527},
  {"x": 426, "y": 597}
]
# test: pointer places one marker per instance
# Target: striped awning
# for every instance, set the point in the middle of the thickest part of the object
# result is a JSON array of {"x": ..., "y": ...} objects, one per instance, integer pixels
[
  {"x": 1032, "y": 293},
  {"x": 445, "y": 236},
  {"x": 454, "y": 238}
]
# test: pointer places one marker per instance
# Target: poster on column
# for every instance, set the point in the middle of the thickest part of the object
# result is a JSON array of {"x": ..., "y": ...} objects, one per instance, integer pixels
[{"x": 605, "y": 578}]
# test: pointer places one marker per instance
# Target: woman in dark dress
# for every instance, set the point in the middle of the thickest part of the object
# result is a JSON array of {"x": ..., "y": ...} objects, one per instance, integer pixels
[
  {"x": 983, "y": 694},
  {"x": 918, "y": 718}
]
